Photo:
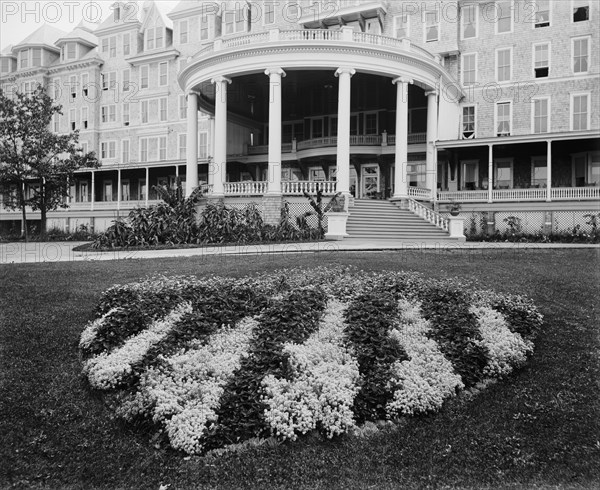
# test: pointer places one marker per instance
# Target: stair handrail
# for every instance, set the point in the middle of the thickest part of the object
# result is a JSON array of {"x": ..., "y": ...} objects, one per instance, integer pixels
[{"x": 428, "y": 214}]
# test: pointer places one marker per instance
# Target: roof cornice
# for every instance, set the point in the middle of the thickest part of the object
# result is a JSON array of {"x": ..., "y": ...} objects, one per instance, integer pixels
[{"x": 157, "y": 56}]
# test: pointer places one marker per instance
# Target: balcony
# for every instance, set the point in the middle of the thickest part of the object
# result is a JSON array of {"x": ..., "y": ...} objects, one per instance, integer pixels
[{"x": 331, "y": 141}]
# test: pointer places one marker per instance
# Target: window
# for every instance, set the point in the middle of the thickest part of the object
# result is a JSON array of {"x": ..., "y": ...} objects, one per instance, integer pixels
[
  {"x": 107, "y": 190},
  {"x": 126, "y": 75},
  {"x": 541, "y": 60},
  {"x": 84, "y": 117},
  {"x": 542, "y": 13},
  {"x": 581, "y": 10},
  {"x": 401, "y": 26},
  {"x": 469, "y": 72},
  {"x": 204, "y": 28},
  {"x": 539, "y": 172},
  {"x": 126, "y": 44},
  {"x": 182, "y": 146},
  {"x": 580, "y": 113},
  {"x": 269, "y": 12},
  {"x": 504, "y": 17},
  {"x": 144, "y": 110},
  {"x": 162, "y": 148},
  {"x": 469, "y": 175},
  {"x": 36, "y": 57},
  {"x": 109, "y": 80},
  {"x": 125, "y": 114},
  {"x": 432, "y": 26},
  {"x": 143, "y": 149},
  {"x": 105, "y": 45},
  {"x": 24, "y": 58},
  {"x": 503, "y": 118},
  {"x": 73, "y": 86},
  {"x": 234, "y": 21},
  {"x": 113, "y": 46},
  {"x": 125, "y": 151},
  {"x": 469, "y": 16},
  {"x": 84, "y": 84},
  {"x": 593, "y": 174},
  {"x": 84, "y": 148},
  {"x": 203, "y": 144},
  {"x": 162, "y": 109},
  {"x": 108, "y": 149},
  {"x": 182, "y": 107},
  {"x": 73, "y": 119},
  {"x": 541, "y": 115},
  {"x": 159, "y": 36},
  {"x": 150, "y": 38},
  {"x": 162, "y": 74},
  {"x": 416, "y": 173},
  {"x": 183, "y": 32},
  {"x": 504, "y": 173},
  {"x": 108, "y": 113},
  {"x": 142, "y": 189},
  {"x": 504, "y": 64},
  {"x": 371, "y": 123},
  {"x": 144, "y": 70},
  {"x": 468, "y": 122},
  {"x": 71, "y": 51},
  {"x": 56, "y": 123},
  {"x": 581, "y": 53}
]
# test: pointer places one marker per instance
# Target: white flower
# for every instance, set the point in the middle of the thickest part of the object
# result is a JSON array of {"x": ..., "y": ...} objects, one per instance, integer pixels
[
  {"x": 107, "y": 370},
  {"x": 323, "y": 386},
  {"x": 507, "y": 349},
  {"x": 427, "y": 378},
  {"x": 91, "y": 330}
]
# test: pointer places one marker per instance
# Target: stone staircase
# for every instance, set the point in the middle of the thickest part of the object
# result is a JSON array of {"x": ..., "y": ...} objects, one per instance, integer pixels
[{"x": 383, "y": 220}]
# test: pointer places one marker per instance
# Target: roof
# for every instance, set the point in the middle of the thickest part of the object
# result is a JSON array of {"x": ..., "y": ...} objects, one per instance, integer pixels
[
  {"x": 46, "y": 35},
  {"x": 8, "y": 51},
  {"x": 192, "y": 5},
  {"x": 151, "y": 11},
  {"x": 126, "y": 19},
  {"x": 80, "y": 34}
]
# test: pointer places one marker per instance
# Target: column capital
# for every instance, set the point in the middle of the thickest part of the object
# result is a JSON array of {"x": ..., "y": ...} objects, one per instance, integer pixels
[
  {"x": 431, "y": 92},
  {"x": 275, "y": 70},
  {"x": 399, "y": 80},
  {"x": 221, "y": 79},
  {"x": 345, "y": 70}
]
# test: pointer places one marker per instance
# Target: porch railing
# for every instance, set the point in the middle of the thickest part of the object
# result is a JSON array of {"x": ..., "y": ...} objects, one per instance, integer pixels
[
  {"x": 428, "y": 214},
  {"x": 512, "y": 195},
  {"x": 519, "y": 194},
  {"x": 250, "y": 188},
  {"x": 559, "y": 193},
  {"x": 419, "y": 193},
  {"x": 317, "y": 143},
  {"x": 298, "y": 188}
]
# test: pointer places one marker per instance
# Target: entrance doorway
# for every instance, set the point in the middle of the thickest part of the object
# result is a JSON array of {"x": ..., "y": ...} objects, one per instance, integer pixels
[{"x": 370, "y": 181}]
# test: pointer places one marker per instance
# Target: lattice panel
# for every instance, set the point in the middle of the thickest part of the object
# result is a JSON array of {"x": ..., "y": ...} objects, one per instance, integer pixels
[
  {"x": 567, "y": 220},
  {"x": 529, "y": 221},
  {"x": 300, "y": 208}
]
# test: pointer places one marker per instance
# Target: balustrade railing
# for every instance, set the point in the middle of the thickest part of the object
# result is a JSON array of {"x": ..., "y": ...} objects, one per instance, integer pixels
[
  {"x": 298, "y": 188},
  {"x": 310, "y": 35},
  {"x": 249, "y": 188},
  {"x": 428, "y": 214},
  {"x": 462, "y": 195},
  {"x": 317, "y": 143},
  {"x": 365, "y": 139},
  {"x": 419, "y": 192},
  {"x": 560, "y": 193},
  {"x": 519, "y": 194}
]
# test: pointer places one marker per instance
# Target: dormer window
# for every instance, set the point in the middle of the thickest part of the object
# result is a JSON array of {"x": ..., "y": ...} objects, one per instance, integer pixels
[
  {"x": 155, "y": 38},
  {"x": 71, "y": 51},
  {"x": 117, "y": 13},
  {"x": 24, "y": 58},
  {"x": 36, "y": 57},
  {"x": 234, "y": 21}
]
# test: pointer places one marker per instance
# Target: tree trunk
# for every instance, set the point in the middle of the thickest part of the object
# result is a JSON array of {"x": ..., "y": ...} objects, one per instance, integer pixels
[
  {"x": 43, "y": 211},
  {"x": 25, "y": 234}
]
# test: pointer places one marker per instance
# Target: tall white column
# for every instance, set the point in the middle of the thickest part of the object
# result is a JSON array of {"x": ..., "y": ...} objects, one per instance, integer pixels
[
  {"x": 343, "y": 138},
  {"x": 432, "y": 124},
  {"x": 549, "y": 171},
  {"x": 219, "y": 168},
  {"x": 490, "y": 172},
  {"x": 275, "y": 75},
  {"x": 400, "y": 173},
  {"x": 191, "y": 169}
]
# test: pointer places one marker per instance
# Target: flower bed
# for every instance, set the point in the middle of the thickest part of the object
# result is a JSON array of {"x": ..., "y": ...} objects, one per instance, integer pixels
[{"x": 208, "y": 363}]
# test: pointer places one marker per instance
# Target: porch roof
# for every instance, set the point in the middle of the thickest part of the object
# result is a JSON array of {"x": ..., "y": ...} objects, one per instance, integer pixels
[{"x": 520, "y": 138}]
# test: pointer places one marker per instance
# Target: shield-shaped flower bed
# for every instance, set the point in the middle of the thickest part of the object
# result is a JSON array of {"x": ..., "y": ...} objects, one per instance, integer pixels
[{"x": 206, "y": 363}]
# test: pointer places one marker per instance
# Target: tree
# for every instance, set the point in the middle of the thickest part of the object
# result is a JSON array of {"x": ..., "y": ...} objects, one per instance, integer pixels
[{"x": 30, "y": 153}]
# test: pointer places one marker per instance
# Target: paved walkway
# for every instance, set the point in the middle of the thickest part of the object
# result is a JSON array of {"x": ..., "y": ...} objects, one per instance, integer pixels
[{"x": 40, "y": 252}]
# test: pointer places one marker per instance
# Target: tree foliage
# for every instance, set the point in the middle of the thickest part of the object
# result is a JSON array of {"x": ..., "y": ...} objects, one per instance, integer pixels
[{"x": 30, "y": 153}]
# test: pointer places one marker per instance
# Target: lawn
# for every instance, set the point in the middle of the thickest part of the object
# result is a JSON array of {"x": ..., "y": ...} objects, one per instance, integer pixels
[{"x": 540, "y": 427}]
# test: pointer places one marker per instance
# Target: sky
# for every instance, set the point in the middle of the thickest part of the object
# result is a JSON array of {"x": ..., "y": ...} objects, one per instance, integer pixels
[{"x": 20, "y": 18}]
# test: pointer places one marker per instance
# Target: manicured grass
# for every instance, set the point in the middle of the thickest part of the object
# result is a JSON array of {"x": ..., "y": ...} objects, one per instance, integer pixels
[{"x": 540, "y": 427}]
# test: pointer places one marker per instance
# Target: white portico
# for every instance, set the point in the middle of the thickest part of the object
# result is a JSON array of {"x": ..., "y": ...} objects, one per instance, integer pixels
[{"x": 224, "y": 80}]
